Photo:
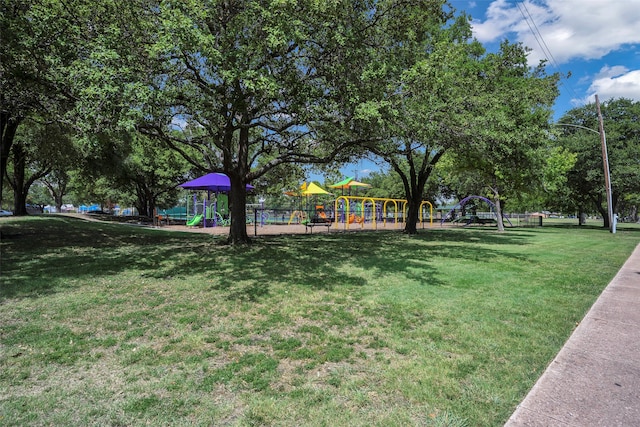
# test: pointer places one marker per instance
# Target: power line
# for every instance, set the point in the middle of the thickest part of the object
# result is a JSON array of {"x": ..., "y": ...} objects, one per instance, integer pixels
[
  {"x": 553, "y": 60},
  {"x": 540, "y": 40}
]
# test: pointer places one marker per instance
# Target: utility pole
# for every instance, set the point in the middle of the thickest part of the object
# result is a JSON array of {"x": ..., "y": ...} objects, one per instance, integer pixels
[{"x": 605, "y": 161}]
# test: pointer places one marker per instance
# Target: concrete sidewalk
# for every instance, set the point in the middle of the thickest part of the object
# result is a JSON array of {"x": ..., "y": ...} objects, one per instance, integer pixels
[{"x": 595, "y": 379}]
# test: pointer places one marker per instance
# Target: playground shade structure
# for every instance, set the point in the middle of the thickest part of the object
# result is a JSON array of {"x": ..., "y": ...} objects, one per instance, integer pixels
[
  {"x": 212, "y": 183},
  {"x": 348, "y": 183},
  {"x": 313, "y": 188},
  {"x": 218, "y": 182}
]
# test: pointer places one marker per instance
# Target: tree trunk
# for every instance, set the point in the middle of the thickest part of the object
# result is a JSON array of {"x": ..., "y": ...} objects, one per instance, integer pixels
[
  {"x": 145, "y": 200},
  {"x": 414, "y": 183},
  {"x": 18, "y": 181},
  {"x": 148, "y": 206},
  {"x": 605, "y": 216},
  {"x": 57, "y": 192},
  {"x": 58, "y": 200},
  {"x": 496, "y": 202},
  {"x": 411, "y": 221},
  {"x": 8, "y": 128},
  {"x": 152, "y": 208},
  {"x": 237, "y": 205},
  {"x": 20, "y": 203},
  {"x": 598, "y": 202}
]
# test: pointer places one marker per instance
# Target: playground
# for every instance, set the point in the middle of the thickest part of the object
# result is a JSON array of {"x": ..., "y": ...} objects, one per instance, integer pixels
[
  {"x": 353, "y": 215},
  {"x": 311, "y": 206},
  {"x": 270, "y": 229}
]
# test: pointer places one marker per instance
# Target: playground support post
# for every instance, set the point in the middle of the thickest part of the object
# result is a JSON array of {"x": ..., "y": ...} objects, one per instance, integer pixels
[
  {"x": 396, "y": 209},
  {"x": 255, "y": 222},
  {"x": 430, "y": 213}
]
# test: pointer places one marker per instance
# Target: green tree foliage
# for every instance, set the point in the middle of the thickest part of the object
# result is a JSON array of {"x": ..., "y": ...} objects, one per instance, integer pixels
[
  {"x": 423, "y": 69},
  {"x": 57, "y": 185},
  {"x": 38, "y": 148},
  {"x": 456, "y": 182},
  {"x": 510, "y": 130},
  {"x": 132, "y": 169},
  {"x": 64, "y": 158},
  {"x": 153, "y": 171},
  {"x": 384, "y": 184},
  {"x": 96, "y": 176},
  {"x": 243, "y": 80},
  {"x": 547, "y": 192},
  {"x": 39, "y": 40},
  {"x": 586, "y": 183},
  {"x": 552, "y": 193}
]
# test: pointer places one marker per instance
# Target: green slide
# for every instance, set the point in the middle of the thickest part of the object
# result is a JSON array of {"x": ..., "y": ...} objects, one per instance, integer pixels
[{"x": 194, "y": 221}]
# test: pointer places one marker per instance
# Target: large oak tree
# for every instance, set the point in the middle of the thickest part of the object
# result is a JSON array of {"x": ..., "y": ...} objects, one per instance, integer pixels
[
  {"x": 41, "y": 41},
  {"x": 425, "y": 65},
  {"x": 440, "y": 92},
  {"x": 511, "y": 128},
  {"x": 238, "y": 87}
]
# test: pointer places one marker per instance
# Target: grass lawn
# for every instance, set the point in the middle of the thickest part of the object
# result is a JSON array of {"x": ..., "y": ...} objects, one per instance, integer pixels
[{"x": 109, "y": 324}]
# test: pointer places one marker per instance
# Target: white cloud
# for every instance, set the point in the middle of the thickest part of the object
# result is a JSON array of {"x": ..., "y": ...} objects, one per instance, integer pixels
[
  {"x": 613, "y": 82},
  {"x": 500, "y": 21},
  {"x": 569, "y": 29},
  {"x": 608, "y": 72}
]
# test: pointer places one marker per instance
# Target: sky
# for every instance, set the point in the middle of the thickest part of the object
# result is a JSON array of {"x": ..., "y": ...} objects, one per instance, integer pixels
[
  {"x": 597, "y": 42},
  {"x": 594, "y": 42}
]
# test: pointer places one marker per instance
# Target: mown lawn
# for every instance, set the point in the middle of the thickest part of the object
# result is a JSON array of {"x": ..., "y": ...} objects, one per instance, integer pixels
[{"x": 108, "y": 324}]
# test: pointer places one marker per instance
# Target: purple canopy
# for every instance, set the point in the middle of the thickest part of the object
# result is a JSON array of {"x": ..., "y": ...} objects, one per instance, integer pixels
[{"x": 217, "y": 182}]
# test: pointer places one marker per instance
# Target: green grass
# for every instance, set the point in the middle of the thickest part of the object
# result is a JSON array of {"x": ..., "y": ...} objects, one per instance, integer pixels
[{"x": 108, "y": 324}]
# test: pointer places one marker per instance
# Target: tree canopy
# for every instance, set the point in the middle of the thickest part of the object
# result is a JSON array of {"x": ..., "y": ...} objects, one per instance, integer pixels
[
  {"x": 249, "y": 84},
  {"x": 257, "y": 88},
  {"x": 511, "y": 126},
  {"x": 36, "y": 45},
  {"x": 445, "y": 94},
  {"x": 586, "y": 183},
  {"x": 422, "y": 71}
]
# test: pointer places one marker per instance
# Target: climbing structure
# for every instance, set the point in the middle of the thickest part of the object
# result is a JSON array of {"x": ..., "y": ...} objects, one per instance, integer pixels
[{"x": 473, "y": 218}]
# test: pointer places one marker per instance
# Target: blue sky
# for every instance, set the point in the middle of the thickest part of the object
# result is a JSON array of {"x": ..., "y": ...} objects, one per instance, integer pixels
[{"x": 596, "y": 41}]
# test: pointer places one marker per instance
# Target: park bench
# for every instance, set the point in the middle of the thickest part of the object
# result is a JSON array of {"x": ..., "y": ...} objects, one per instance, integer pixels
[
  {"x": 481, "y": 220},
  {"x": 486, "y": 221},
  {"x": 317, "y": 221},
  {"x": 474, "y": 219}
]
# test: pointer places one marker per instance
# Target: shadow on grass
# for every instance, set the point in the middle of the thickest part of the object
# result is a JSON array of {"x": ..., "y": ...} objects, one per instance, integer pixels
[
  {"x": 325, "y": 261},
  {"x": 41, "y": 255}
]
